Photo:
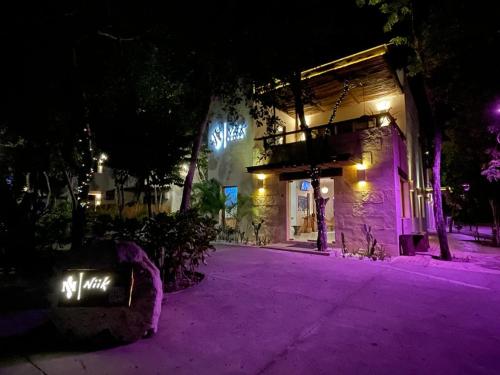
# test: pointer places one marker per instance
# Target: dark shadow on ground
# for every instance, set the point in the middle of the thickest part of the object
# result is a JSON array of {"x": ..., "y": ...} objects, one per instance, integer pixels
[{"x": 45, "y": 339}]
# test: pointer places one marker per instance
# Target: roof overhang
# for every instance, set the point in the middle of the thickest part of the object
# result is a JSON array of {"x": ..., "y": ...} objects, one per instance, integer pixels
[
  {"x": 369, "y": 73},
  {"x": 278, "y": 168}
]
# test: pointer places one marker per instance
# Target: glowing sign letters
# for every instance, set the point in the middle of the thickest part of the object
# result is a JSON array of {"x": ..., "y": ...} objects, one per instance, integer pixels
[
  {"x": 73, "y": 288},
  {"x": 91, "y": 287},
  {"x": 223, "y": 133}
]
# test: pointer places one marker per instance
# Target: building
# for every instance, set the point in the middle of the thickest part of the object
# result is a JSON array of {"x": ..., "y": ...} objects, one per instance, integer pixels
[{"x": 370, "y": 157}]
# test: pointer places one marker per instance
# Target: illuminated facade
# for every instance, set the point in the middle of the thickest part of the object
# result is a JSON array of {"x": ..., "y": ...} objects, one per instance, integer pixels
[{"x": 370, "y": 157}]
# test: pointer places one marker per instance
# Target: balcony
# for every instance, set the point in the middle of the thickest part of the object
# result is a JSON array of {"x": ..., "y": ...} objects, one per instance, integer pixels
[{"x": 333, "y": 146}]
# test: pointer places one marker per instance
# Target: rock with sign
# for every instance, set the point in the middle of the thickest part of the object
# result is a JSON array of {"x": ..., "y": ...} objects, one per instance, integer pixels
[{"x": 110, "y": 291}]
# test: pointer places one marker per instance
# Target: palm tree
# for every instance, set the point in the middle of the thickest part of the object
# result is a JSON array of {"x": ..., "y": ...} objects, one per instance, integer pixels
[{"x": 209, "y": 198}]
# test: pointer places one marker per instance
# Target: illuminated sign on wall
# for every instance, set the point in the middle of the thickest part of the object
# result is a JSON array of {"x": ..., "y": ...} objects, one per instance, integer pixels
[
  {"x": 95, "y": 287},
  {"x": 223, "y": 133}
]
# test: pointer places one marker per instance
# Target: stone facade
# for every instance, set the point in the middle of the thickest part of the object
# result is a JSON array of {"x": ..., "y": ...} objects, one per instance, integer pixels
[
  {"x": 271, "y": 206},
  {"x": 375, "y": 201}
]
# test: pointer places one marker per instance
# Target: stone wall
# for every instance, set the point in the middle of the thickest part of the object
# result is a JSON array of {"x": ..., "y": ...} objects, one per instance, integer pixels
[
  {"x": 271, "y": 206},
  {"x": 375, "y": 202}
]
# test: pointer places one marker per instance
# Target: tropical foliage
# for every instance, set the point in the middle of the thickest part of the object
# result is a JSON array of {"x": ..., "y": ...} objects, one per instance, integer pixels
[{"x": 209, "y": 198}]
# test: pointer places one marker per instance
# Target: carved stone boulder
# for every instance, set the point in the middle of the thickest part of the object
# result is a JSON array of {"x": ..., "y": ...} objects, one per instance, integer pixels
[{"x": 110, "y": 291}]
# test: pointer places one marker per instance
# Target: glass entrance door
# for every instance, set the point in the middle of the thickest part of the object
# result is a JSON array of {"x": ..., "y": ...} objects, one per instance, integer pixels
[{"x": 302, "y": 210}]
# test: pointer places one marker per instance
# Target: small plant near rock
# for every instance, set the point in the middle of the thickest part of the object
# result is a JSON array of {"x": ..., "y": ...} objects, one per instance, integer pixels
[
  {"x": 373, "y": 250},
  {"x": 256, "y": 228},
  {"x": 371, "y": 242},
  {"x": 344, "y": 249}
]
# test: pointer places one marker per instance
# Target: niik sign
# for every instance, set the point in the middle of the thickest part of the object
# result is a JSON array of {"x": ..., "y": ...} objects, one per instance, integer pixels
[{"x": 92, "y": 287}]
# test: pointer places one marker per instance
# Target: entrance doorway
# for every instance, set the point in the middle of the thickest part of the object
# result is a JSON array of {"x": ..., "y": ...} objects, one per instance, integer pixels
[{"x": 302, "y": 210}]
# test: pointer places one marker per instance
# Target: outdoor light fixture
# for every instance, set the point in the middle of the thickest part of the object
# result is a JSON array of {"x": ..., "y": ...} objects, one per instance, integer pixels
[
  {"x": 324, "y": 190},
  {"x": 361, "y": 172},
  {"x": 98, "y": 199},
  {"x": 260, "y": 182},
  {"x": 100, "y": 163},
  {"x": 384, "y": 121},
  {"x": 383, "y": 105},
  {"x": 361, "y": 175}
]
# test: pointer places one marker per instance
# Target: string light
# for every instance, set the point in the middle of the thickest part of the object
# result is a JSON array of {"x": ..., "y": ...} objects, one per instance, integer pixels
[
  {"x": 345, "y": 91},
  {"x": 85, "y": 152}
]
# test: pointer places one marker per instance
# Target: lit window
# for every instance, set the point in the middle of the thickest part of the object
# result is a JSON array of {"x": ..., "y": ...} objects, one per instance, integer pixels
[{"x": 231, "y": 193}]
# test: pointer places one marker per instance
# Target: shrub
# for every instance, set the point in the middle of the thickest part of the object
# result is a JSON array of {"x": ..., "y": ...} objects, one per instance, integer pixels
[
  {"x": 178, "y": 243},
  {"x": 53, "y": 228}
]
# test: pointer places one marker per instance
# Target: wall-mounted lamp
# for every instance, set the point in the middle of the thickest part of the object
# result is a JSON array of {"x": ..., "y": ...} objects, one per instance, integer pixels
[
  {"x": 260, "y": 182},
  {"x": 324, "y": 190},
  {"x": 362, "y": 175},
  {"x": 361, "y": 172}
]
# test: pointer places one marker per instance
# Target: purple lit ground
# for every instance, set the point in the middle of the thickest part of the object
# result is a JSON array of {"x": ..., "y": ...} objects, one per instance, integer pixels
[{"x": 271, "y": 312}]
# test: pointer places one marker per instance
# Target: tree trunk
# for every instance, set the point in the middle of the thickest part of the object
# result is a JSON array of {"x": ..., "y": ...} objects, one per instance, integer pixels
[
  {"x": 77, "y": 216},
  {"x": 157, "y": 207},
  {"x": 322, "y": 240},
  {"x": 188, "y": 182},
  {"x": 119, "y": 201},
  {"x": 496, "y": 223},
  {"x": 450, "y": 224},
  {"x": 77, "y": 227},
  {"x": 20, "y": 237},
  {"x": 147, "y": 193},
  {"x": 436, "y": 194}
]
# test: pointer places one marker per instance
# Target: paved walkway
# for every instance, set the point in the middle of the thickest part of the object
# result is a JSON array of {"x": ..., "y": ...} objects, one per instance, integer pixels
[
  {"x": 468, "y": 254},
  {"x": 273, "y": 312}
]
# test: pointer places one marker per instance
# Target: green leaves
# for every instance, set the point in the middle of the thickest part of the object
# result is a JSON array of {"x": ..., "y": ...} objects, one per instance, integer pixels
[
  {"x": 400, "y": 41},
  {"x": 177, "y": 242},
  {"x": 209, "y": 198}
]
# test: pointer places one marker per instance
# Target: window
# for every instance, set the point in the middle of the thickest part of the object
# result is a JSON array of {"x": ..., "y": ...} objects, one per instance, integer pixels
[{"x": 231, "y": 193}]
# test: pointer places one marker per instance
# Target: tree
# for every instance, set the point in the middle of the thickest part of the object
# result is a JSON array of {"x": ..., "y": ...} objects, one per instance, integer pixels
[
  {"x": 428, "y": 61},
  {"x": 242, "y": 209},
  {"x": 445, "y": 39},
  {"x": 47, "y": 112},
  {"x": 492, "y": 171}
]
